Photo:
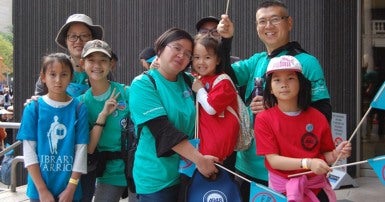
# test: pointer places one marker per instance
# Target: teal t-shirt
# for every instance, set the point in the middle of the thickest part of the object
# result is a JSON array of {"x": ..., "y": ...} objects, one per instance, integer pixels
[
  {"x": 171, "y": 99},
  {"x": 110, "y": 139},
  {"x": 246, "y": 70},
  {"x": 78, "y": 85}
]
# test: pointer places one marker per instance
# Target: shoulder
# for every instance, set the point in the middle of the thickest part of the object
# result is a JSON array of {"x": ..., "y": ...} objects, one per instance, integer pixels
[
  {"x": 306, "y": 58},
  {"x": 315, "y": 114},
  {"x": 254, "y": 59}
]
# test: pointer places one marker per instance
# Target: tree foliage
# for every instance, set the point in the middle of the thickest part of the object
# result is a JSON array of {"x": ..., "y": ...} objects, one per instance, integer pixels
[{"x": 6, "y": 54}]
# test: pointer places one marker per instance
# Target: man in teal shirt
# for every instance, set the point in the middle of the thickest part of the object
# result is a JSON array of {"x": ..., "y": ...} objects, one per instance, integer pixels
[{"x": 273, "y": 28}]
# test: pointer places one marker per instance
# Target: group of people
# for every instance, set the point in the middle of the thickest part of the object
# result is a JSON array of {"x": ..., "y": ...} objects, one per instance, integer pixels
[{"x": 291, "y": 119}]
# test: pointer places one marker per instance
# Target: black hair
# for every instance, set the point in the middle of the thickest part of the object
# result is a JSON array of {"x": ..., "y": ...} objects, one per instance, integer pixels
[
  {"x": 304, "y": 94},
  {"x": 269, "y": 3},
  {"x": 170, "y": 35},
  {"x": 211, "y": 43},
  {"x": 62, "y": 58}
]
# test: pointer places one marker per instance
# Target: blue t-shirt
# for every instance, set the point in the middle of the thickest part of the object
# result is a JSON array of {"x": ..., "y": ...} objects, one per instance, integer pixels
[
  {"x": 171, "y": 99},
  {"x": 56, "y": 131},
  {"x": 246, "y": 70}
]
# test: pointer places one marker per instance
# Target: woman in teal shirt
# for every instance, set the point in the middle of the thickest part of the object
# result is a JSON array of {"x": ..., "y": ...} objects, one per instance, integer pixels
[{"x": 164, "y": 111}]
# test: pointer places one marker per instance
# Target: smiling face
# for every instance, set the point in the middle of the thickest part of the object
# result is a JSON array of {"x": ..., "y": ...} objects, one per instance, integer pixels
[
  {"x": 273, "y": 36},
  {"x": 97, "y": 65},
  {"x": 75, "y": 48},
  {"x": 204, "y": 61}
]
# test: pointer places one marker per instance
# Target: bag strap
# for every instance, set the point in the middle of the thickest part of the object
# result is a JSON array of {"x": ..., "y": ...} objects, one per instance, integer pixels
[{"x": 219, "y": 79}]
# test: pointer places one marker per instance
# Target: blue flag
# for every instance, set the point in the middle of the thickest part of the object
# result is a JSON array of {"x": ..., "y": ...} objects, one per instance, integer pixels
[
  {"x": 379, "y": 100},
  {"x": 378, "y": 165},
  {"x": 186, "y": 166},
  {"x": 260, "y": 193}
]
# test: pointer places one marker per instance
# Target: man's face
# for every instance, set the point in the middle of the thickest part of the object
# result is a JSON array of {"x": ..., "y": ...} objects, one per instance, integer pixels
[
  {"x": 209, "y": 27},
  {"x": 273, "y": 27}
]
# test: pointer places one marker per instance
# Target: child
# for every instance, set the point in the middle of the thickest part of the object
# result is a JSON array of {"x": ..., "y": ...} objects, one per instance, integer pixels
[
  {"x": 107, "y": 104},
  {"x": 218, "y": 127},
  {"x": 293, "y": 136},
  {"x": 54, "y": 132}
]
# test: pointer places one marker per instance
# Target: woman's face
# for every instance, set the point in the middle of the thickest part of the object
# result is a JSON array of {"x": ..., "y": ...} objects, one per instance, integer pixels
[
  {"x": 174, "y": 58},
  {"x": 82, "y": 33}
]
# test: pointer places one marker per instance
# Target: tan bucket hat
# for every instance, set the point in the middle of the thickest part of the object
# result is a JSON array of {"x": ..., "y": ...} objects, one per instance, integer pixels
[{"x": 96, "y": 30}]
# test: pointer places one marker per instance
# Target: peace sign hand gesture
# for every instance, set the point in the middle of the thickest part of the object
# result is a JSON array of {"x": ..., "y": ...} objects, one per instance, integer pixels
[{"x": 110, "y": 104}]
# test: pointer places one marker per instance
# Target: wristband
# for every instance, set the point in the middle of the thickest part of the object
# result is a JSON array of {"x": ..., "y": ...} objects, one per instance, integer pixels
[
  {"x": 74, "y": 181},
  {"x": 99, "y": 124},
  {"x": 304, "y": 163}
]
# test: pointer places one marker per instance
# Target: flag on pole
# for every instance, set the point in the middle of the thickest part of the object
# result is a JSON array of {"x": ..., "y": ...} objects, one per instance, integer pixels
[
  {"x": 186, "y": 166},
  {"x": 260, "y": 193},
  {"x": 378, "y": 165},
  {"x": 379, "y": 100}
]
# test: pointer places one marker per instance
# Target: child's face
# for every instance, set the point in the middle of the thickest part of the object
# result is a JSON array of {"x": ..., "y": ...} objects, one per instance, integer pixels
[
  {"x": 285, "y": 85},
  {"x": 97, "y": 65},
  {"x": 204, "y": 61},
  {"x": 57, "y": 77}
]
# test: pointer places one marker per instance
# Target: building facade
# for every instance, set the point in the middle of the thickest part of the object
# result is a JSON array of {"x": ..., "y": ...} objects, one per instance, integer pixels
[{"x": 332, "y": 30}]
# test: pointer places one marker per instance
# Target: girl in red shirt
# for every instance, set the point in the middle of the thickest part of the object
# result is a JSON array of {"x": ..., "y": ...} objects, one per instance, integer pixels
[
  {"x": 215, "y": 93},
  {"x": 293, "y": 136}
]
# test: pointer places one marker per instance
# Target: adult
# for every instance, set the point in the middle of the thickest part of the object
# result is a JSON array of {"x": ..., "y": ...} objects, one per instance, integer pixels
[
  {"x": 274, "y": 25},
  {"x": 164, "y": 125},
  {"x": 77, "y": 30}
]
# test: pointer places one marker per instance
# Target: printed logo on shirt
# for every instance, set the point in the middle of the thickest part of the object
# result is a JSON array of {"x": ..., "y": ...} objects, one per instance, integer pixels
[
  {"x": 121, "y": 105},
  {"x": 56, "y": 162},
  {"x": 309, "y": 141},
  {"x": 57, "y": 132}
]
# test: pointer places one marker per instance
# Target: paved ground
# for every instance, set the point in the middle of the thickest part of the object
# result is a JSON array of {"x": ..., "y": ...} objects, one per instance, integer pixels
[{"x": 370, "y": 190}]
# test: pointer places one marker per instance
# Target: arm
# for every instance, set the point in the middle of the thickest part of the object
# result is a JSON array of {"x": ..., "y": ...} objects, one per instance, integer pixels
[
  {"x": 201, "y": 96},
  {"x": 204, "y": 163},
  {"x": 69, "y": 191},
  {"x": 168, "y": 140},
  {"x": 318, "y": 166},
  {"x": 32, "y": 165},
  {"x": 109, "y": 107},
  {"x": 344, "y": 149}
]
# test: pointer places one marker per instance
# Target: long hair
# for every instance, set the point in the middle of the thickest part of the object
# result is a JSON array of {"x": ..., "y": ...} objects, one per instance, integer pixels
[{"x": 304, "y": 94}]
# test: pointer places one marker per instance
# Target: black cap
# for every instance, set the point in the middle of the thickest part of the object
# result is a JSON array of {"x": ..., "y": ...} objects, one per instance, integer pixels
[
  {"x": 147, "y": 53},
  {"x": 206, "y": 19}
]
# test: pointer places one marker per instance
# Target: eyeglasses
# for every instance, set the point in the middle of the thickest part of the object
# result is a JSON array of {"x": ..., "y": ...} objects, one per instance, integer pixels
[
  {"x": 82, "y": 37},
  {"x": 274, "y": 20},
  {"x": 178, "y": 49},
  {"x": 213, "y": 32}
]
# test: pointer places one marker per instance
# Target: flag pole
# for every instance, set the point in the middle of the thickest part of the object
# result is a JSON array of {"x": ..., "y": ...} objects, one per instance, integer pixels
[
  {"x": 354, "y": 133},
  {"x": 339, "y": 166},
  {"x": 350, "y": 139},
  {"x": 227, "y": 6}
]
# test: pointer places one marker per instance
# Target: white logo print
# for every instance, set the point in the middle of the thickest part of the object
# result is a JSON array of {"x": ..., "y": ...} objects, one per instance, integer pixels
[{"x": 56, "y": 132}]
